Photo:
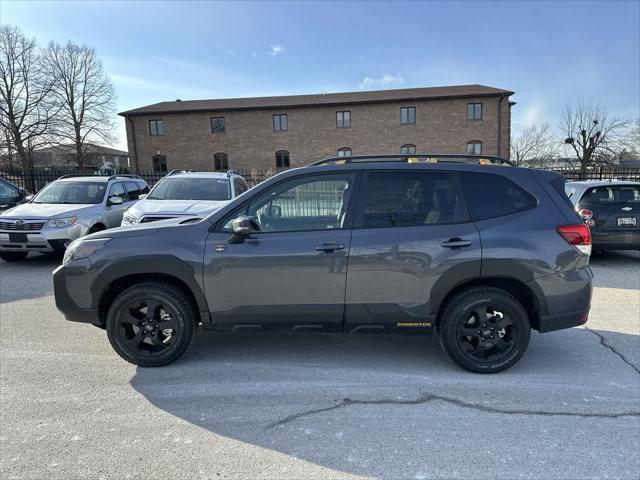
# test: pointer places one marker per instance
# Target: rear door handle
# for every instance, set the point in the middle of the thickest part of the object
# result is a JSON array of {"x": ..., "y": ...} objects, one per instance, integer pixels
[
  {"x": 329, "y": 247},
  {"x": 456, "y": 243}
]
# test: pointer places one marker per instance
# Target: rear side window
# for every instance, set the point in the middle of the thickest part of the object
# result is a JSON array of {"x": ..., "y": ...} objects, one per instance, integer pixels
[
  {"x": 491, "y": 195},
  {"x": 610, "y": 194},
  {"x": 407, "y": 199}
]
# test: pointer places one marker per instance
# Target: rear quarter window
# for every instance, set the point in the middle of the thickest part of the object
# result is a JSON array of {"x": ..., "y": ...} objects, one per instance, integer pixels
[{"x": 492, "y": 195}]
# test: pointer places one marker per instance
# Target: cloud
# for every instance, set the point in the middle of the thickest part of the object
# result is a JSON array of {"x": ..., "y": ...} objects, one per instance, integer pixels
[
  {"x": 533, "y": 114},
  {"x": 386, "y": 79},
  {"x": 276, "y": 50}
]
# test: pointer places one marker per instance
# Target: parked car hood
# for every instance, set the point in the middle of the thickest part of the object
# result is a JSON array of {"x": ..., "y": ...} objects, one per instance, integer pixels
[
  {"x": 177, "y": 207},
  {"x": 45, "y": 210}
]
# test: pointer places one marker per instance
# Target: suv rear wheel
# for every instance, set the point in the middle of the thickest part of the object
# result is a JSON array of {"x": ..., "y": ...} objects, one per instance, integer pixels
[
  {"x": 151, "y": 324},
  {"x": 484, "y": 329},
  {"x": 13, "y": 256}
]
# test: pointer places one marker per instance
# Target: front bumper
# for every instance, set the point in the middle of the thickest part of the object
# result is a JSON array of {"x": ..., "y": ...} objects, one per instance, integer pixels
[
  {"x": 73, "y": 292},
  {"x": 48, "y": 240}
]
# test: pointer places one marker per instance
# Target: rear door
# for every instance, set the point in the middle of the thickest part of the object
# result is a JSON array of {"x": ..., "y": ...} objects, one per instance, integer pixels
[{"x": 412, "y": 239}]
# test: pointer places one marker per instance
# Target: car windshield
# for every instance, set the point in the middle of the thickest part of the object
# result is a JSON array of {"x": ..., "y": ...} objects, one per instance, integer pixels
[
  {"x": 191, "y": 189},
  {"x": 72, "y": 192}
]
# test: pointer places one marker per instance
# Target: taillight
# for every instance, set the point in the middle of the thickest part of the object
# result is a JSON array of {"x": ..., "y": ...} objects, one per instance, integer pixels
[
  {"x": 587, "y": 216},
  {"x": 577, "y": 235}
]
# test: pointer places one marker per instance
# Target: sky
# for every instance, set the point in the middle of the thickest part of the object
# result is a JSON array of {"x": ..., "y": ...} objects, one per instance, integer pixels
[{"x": 549, "y": 52}]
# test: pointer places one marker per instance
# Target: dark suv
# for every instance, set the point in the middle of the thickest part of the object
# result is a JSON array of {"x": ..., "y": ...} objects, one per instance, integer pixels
[{"x": 482, "y": 253}]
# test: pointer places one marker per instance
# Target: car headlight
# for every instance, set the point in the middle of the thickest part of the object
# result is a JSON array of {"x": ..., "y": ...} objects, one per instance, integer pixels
[
  {"x": 83, "y": 248},
  {"x": 61, "y": 222},
  {"x": 129, "y": 219}
]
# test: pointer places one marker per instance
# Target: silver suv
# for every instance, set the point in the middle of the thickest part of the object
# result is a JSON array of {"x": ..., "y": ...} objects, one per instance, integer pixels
[{"x": 66, "y": 209}]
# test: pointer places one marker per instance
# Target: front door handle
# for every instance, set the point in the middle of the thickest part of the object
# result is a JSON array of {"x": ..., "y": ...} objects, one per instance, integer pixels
[
  {"x": 456, "y": 243},
  {"x": 329, "y": 247}
]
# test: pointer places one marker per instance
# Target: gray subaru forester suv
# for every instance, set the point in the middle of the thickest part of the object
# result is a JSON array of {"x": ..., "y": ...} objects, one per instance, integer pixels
[{"x": 481, "y": 253}]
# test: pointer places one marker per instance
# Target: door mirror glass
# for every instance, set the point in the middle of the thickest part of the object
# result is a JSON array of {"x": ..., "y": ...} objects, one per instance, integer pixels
[
  {"x": 142, "y": 196},
  {"x": 28, "y": 198},
  {"x": 115, "y": 200}
]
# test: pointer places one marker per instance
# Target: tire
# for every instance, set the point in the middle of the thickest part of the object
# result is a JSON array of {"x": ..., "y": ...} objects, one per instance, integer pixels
[
  {"x": 141, "y": 338},
  {"x": 13, "y": 256},
  {"x": 484, "y": 329},
  {"x": 96, "y": 228}
]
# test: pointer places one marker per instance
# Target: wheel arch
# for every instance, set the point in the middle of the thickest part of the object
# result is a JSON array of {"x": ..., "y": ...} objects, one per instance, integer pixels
[
  {"x": 520, "y": 290},
  {"x": 101, "y": 226}
]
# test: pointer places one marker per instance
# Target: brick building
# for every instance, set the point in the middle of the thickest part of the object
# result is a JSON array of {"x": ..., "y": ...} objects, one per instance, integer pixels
[{"x": 270, "y": 132}]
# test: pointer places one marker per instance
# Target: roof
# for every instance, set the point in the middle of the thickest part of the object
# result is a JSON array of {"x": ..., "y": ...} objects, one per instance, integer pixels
[
  {"x": 323, "y": 99},
  {"x": 199, "y": 174},
  {"x": 97, "y": 178},
  {"x": 600, "y": 183}
]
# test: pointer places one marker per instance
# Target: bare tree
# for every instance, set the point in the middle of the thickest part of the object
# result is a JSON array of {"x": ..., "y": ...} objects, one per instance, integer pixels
[
  {"x": 26, "y": 106},
  {"x": 594, "y": 136},
  {"x": 534, "y": 147},
  {"x": 86, "y": 94}
]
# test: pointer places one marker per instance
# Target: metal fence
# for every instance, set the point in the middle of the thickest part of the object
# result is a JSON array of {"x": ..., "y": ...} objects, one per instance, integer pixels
[{"x": 35, "y": 179}]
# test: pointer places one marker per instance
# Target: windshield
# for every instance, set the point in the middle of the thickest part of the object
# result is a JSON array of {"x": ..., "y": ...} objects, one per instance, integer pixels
[
  {"x": 72, "y": 192},
  {"x": 191, "y": 189}
]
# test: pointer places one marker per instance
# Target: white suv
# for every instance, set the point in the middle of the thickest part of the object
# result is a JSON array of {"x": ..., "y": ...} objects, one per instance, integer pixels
[{"x": 184, "y": 193}]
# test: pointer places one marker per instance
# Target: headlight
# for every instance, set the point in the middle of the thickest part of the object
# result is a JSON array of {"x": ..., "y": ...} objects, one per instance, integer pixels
[
  {"x": 61, "y": 222},
  {"x": 129, "y": 219},
  {"x": 83, "y": 248}
]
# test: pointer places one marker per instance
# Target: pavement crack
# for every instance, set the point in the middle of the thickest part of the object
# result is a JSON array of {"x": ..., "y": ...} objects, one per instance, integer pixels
[
  {"x": 427, "y": 398},
  {"x": 604, "y": 343}
]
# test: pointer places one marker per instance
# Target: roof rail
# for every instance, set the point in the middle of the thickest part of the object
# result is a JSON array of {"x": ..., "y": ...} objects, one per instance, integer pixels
[
  {"x": 175, "y": 172},
  {"x": 418, "y": 158},
  {"x": 128, "y": 175},
  {"x": 231, "y": 172},
  {"x": 76, "y": 175}
]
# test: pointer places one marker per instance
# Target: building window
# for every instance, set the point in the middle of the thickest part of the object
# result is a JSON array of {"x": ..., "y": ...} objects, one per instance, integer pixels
[
  {"x": 156, "y": 127},
  {"x": 474, "y": 111},
  {"x": 280, "y": 122},
  {"x": 343, "y": 119},
  {"x": 282, "y": 159},
  {"x": 160, "y": 163},
  {"x": 408, "y": 148},
  {"x": 407, "y": 115},
  {"x": 217, "y": 124},
  {"x": 221, "y": 161},
  {"x": 344, "y": 152},
  {"x": 474, "y": 147}
]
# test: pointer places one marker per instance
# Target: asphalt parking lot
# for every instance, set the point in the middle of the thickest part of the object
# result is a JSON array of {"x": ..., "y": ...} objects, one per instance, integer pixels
[{"x": 325, "y": 406}]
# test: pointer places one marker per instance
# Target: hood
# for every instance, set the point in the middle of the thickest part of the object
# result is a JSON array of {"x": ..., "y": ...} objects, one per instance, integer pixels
[
  {"x": 177, "y": 207},
  {"x": 45, "y": 210},
  {"x": 142, "y": 229}
]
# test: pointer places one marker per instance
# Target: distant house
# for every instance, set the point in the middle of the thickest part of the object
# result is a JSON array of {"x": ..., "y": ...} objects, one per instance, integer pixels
[{"x": 65, "y": 156}]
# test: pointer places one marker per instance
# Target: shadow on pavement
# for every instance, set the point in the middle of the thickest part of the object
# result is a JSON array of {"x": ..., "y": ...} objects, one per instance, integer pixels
[
  {"x": 243, "y": 386},
  {"x": 29, "y": 278}
]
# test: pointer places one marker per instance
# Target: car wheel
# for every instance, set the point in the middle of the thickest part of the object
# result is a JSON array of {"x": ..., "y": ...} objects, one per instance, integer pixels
[
  {"x": 484, "y": 329},
  {"x": 151, "y": 324},
  {"x": 95, "y": 228},
  {"x": 13, "y": 256}
]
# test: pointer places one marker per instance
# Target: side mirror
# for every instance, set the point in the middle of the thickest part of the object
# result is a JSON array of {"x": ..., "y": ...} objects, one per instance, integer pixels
[
  {"x": 142, "y": 196},
  {"x": 242, "y": 227},
  {"x": 115, "y": 200},
  {"x": 28, "y": 198}
]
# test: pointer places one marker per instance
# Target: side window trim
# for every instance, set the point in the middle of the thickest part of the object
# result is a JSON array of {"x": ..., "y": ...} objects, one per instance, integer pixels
[{"x": 349, "y": 215}]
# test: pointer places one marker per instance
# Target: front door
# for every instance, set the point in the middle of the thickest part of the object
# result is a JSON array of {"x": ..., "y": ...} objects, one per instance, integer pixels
[
  {"x": 412, "y": 240},
  {"x": 291, "y": 273},
  {"x": 114, "y": 212}
]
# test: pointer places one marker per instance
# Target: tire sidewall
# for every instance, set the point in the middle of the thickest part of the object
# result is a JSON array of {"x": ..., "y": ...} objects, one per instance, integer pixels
[
  {"x": 461, "y": 308},
  {"x": 179, "y": 345}
]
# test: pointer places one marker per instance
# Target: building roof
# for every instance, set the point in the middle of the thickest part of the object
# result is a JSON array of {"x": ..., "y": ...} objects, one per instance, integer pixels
[
  {"x": 90, "y": 148},
  {"x": 324, "y": 99}
]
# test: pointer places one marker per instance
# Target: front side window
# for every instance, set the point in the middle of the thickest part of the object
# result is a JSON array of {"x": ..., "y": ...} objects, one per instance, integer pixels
[
  {"x": 282, "y": 159},
  {"x": 607, "y": 195},
  {"x": 160, "y": 164},
  {"x": 474, "y": 148},
  {"x": 407, "y": 115},
  {"x": 117, "y": 190},
  {"x": 8, "y": 191},
  {"x": 318, "y": 202},
  {"x": 410, "y": 199},
  {"x": 220, "y": 161},
  {"x": 408, "y": 148},
  {"x": 474, "y": 111},
  {"x": 344, "y": 152},
  {"x": 156, "y": 127},
  {"x": 133, "y": 190},
  {"x": 491, "y": 195},
  {"x": 280, "y": 122},
  {"x": 191, "y": 188},
  {"x": 343, "y": 119},
  {"x": 72, "y": 192},
  {"x": 217, "y": 124},
  {"x": 240, "y": 185}
]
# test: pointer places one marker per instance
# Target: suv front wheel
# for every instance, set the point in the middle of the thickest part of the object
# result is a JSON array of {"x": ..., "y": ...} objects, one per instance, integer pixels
[
  {"x": 151, "y": 324},
  {"x": 484, "y": 329}
]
